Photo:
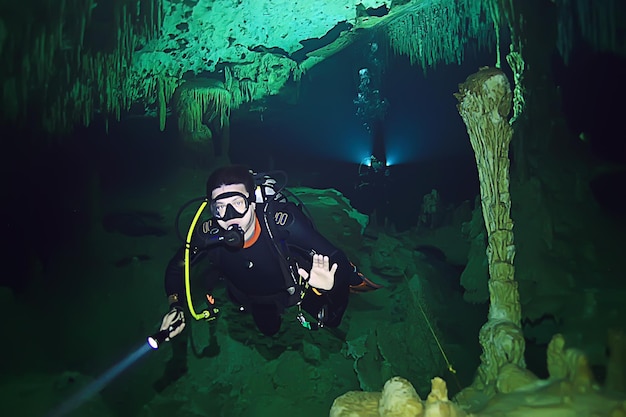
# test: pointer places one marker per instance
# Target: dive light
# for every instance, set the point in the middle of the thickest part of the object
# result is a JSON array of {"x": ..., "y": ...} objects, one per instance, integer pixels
[{"x": 159, "y": 337}]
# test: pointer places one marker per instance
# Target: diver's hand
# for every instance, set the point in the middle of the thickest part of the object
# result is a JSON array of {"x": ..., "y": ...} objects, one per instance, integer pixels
[
  {"x": 322, "y": 275},
  {"x": 174, "y": 321}
]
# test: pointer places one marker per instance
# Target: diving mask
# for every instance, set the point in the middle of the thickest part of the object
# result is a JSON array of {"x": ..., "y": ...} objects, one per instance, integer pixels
[{"x": 230, "y": 205}]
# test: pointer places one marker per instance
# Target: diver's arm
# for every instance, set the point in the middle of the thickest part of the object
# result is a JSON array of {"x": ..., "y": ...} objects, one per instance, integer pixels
[
  {"x": 175, "y": 279},
  {"x": 303, "y": 237}
]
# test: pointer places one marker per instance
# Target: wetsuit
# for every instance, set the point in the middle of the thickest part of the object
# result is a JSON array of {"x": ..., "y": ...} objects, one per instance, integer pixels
[{"x": 258, "y": 277}]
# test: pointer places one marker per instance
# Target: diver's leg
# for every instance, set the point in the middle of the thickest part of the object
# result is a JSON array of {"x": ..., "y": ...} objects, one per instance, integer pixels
[
  {"x": 328, "y": 307},
  {"x": 267, "y": 318}
]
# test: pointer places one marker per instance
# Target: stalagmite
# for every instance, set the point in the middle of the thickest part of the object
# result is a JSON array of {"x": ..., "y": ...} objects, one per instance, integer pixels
[{"x": 484, "y": 104}]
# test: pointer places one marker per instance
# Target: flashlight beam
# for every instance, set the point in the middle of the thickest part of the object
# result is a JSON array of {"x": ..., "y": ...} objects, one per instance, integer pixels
[{"x": 96, "y": 386}]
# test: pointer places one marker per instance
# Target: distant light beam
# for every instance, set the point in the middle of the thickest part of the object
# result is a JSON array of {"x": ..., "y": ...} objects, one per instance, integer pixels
[{"x": 96, "y": 386}]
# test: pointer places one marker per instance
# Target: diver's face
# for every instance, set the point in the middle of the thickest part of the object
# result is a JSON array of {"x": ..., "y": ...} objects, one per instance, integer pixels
[{"x": 230, "y": 202}]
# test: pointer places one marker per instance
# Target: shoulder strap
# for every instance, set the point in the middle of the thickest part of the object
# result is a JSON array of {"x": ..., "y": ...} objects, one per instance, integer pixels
[{"x": 290, "y": 274}]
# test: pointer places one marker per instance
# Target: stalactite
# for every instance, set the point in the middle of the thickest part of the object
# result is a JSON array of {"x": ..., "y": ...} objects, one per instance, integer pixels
[
  {"x": 10, "y": 105},
  {"x": 438, "y": 32},
  {"x": 515, "y": 58},
  {"x": 162, "y": 104},
  {"x": 596, "y": 21},
  {"x": 197, "y": 101},
  {"x": 497, "y": 23}
]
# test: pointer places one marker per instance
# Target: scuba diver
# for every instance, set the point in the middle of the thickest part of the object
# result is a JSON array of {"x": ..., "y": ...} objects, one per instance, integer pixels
[
  {"x": 268, "y": 252},
  {"x": 374, "y": 179},
  {"x": 372, "y": 173}
]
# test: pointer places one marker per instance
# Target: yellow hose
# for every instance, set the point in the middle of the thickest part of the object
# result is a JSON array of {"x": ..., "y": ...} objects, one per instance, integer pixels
[{"x": 205, "y": 314}]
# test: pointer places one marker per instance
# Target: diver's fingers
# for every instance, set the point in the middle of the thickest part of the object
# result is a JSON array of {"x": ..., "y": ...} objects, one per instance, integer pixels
[
  {"x": 321, "y": 261},
  {"x": 176, "y": 331}
]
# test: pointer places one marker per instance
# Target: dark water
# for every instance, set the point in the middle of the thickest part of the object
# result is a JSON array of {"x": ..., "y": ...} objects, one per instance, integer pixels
[{"x": 318, "y": 141}]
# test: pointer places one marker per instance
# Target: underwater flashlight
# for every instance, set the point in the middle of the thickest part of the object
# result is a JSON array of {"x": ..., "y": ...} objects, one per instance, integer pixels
[{"x": 159, "y": 337}]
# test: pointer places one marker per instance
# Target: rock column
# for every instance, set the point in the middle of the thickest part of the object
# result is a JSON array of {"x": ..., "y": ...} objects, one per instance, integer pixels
[{"x": 484, "y": 104}]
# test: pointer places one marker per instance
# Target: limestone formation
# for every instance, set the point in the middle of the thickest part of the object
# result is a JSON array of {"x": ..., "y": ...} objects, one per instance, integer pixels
[
  {"x": 484, "y": 104},
  {"x": 398, "y": 399}
]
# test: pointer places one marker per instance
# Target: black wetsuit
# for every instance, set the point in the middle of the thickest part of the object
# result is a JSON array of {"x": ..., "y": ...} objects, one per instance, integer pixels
[{"x": 258, "y": 277}]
